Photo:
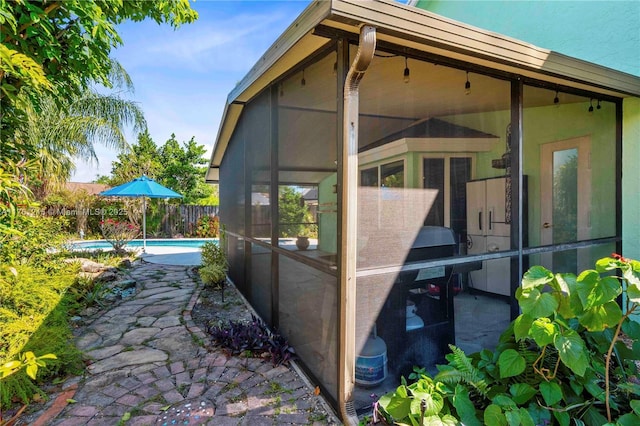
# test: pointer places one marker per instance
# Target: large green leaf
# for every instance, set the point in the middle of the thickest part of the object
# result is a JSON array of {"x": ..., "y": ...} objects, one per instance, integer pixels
[
  {"x": 543, "y": 331},
  {"x": 551, "y": 392},
  {"x": 525, "y": 418},
  {"x": 513, "y": 418},
  {"x": 593, "y": 385},
  {"x": 572, "y": 351},
  {"x": 632, "y": 273},
  {"x": 449, "y": 420},
  {"x": 563, "y": 418},
  {"x": 521, "y": 326},
  {"x": 595, "y": 291},
  {"x": 598, "y": 318},
  {"x": 433, "y": 403},
  {"x": 493, "y": 416},
  {"x": 464, "y": 406},
  {"x": 436, "y": 421},
  {"x": 631, "y": 328},
  {"x": 536, "y": 276},
  {"x": 503, "y": 401},
  {"x": 628, "y": 419},
  {"x": 522, "y": 392},
  {"x": 536, "y": 304},
  {"x": 633, "y": 293},
  {"x": 396, "y": 405},
  {"x": 593, "y": 417},
  {"x": 606, "y": 264},
  {"x": 511, "y": 363}
]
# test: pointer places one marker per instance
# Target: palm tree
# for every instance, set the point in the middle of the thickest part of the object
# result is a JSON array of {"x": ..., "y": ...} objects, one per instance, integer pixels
[{"x": 61, "y": 131}]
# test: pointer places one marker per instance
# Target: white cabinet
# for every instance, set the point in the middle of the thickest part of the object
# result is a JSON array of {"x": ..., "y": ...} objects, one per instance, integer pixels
[{"x": 487, "y": 232}]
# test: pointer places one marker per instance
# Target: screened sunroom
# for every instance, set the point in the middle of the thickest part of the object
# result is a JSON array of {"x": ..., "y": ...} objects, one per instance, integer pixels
[{"x": 387, "y": 175}]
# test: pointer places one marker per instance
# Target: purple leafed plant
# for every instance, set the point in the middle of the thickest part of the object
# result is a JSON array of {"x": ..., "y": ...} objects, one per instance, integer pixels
[{"x": 252, "y": 338}]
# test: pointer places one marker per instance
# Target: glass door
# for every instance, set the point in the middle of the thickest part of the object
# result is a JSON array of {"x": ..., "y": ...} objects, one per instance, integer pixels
[{"x": 565, "y": 195}]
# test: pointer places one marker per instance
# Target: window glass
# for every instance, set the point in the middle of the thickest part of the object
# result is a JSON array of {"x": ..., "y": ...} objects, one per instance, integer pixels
[
  {"x": 369, "y": 177},
  {"x": 438, "y": 151},
  {"x": 434, "y": 180},
  {"x": 392, "y": 175}
]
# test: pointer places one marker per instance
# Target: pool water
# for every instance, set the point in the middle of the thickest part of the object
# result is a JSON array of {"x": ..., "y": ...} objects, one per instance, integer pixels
[{"x": 182, "y": 242}]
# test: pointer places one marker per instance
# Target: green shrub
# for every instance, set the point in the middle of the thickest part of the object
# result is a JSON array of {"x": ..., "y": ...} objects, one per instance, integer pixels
[
  {"x": 207, "y": 227},
  {"x": 34, "y": 317},
  {"x": 212, "y": 254},
  {"x": 213, "y": 275},
  {"x": 41, "y": 236},
  {"x": 560, "y": 360},
  {"x": 28, "y": 295}
]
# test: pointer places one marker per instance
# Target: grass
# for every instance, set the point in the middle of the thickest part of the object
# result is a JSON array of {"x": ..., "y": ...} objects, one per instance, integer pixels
[{"x": 276, "y": 388}]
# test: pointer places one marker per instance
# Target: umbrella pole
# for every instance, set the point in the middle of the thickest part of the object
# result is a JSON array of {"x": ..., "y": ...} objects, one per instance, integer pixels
[{"x": 144, "y": 224}]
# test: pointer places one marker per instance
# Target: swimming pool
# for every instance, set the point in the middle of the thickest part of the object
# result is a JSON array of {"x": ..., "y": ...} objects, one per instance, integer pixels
[{"x": 182, "y": 242}]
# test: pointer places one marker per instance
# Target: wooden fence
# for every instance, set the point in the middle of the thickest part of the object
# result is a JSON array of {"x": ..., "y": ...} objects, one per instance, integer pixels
[{"x": 182, "y": 219}]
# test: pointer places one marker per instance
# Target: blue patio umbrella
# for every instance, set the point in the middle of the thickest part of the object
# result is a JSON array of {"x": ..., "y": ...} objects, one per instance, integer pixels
[{"x": 142, "y": 187}]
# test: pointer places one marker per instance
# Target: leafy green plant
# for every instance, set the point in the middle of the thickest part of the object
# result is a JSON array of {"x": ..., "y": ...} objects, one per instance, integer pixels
[
  {"x": 212, "y": 254},
  {"x": 207, "y": 227},
  {"x": 561, "y": 360},
  {"x": 29, "y": 361},
  {"x": 213, "y": 275},
  {"x": 38, "y": 238}
]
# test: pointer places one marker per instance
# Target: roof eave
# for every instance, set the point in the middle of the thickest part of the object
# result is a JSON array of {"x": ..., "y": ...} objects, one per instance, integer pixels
[{"x": 399, "y": 23}]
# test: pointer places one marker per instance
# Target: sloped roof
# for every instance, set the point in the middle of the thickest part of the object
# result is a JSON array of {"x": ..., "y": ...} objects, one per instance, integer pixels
[
  {"x": 89, "y": 188},
  {"x": 431, "y": 128}
]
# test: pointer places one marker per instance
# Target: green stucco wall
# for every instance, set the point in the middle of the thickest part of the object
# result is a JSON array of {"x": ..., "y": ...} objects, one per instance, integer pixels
[
  {"x": 549, "y": 124},
  {"x": 631, "y": 178},
  {"x": 603, "y": 32}
]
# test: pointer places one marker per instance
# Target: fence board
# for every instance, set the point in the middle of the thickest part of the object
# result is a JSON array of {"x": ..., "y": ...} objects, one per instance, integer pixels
[{"x": 182, "y": 219}]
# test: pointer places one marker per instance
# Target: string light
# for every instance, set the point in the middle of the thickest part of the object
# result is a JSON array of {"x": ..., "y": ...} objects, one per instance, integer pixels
[
  {"x": 303, "y": 81},
  {"x": 591, "y": 105},
  {"x": 556, "y": 100},
  {"x": 467, "y": 85},
  {"x": 598, "y": 107},
  {"x": 406, "y": 77}
]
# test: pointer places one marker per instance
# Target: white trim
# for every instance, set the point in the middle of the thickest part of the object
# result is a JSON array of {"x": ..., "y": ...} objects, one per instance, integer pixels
[{"x": 436, "y": 145}]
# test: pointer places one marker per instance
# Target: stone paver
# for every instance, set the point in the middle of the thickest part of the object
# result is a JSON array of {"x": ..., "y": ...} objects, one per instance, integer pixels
[{"x": 147, "y": 368}]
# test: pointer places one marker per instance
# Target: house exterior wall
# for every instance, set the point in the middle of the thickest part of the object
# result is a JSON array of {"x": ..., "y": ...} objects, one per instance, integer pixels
[
  {"x": 584, "y": 30},
  {"x": 631, "y": 178}
]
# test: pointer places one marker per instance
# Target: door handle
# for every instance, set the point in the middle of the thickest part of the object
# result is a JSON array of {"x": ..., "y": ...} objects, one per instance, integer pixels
[
  {"x": 480, "y": 220},
  {"x": 546, "y": 225}
]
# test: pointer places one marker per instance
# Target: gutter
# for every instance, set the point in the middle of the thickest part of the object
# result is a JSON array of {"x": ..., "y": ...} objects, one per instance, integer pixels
[{"x": 349, "y": 223}]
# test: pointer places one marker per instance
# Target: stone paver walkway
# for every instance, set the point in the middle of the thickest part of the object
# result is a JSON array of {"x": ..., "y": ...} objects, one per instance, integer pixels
[{"x": 149, "y": 369}]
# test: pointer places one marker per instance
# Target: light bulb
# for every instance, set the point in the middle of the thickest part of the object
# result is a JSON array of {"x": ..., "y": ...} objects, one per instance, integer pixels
[
  {"x": 406, "y": 76},
  {"x": 467, "y": 85}
]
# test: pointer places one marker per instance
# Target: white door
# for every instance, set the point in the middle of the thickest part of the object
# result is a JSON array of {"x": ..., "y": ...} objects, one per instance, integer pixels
[{"x": 565, "y": 188}]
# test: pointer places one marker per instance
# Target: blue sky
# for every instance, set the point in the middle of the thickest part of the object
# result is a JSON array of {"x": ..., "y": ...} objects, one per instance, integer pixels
[{"x": 182, "y": 77}]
